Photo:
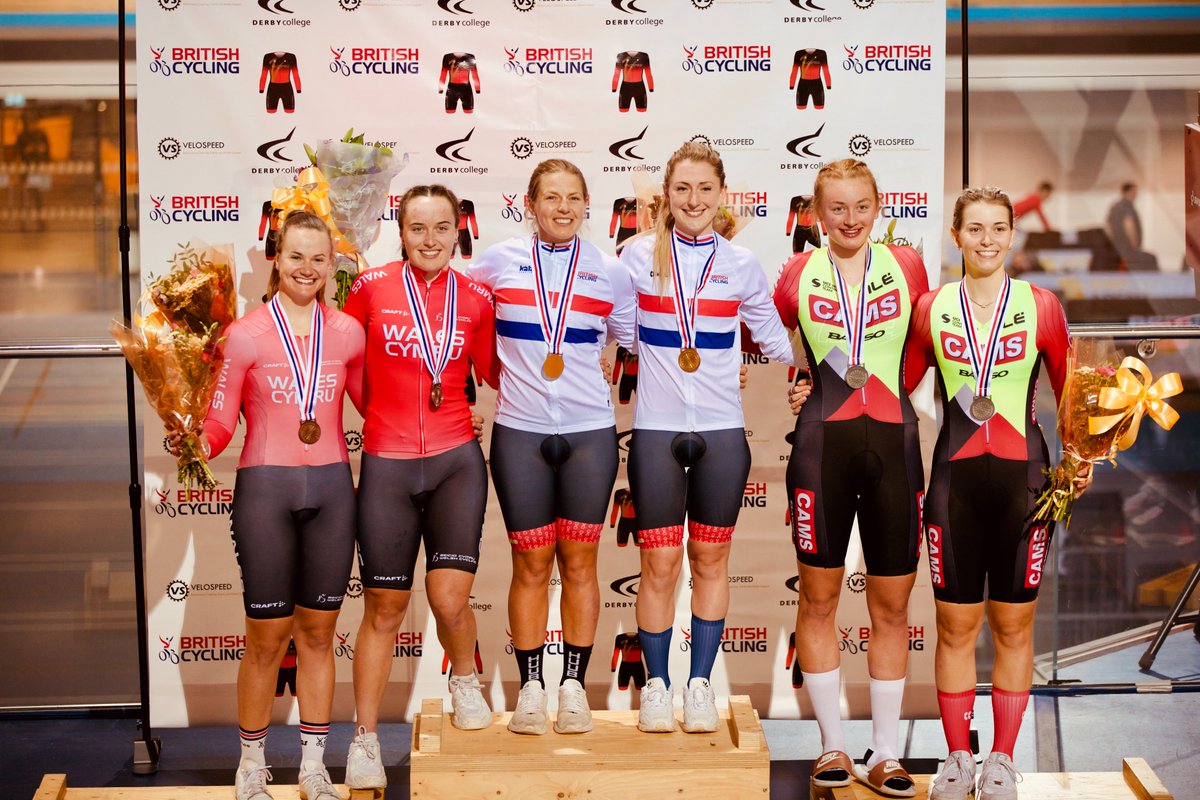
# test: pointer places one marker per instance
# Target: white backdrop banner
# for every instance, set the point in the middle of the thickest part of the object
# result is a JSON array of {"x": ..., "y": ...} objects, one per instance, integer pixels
[{"x": 477, "y": 92}]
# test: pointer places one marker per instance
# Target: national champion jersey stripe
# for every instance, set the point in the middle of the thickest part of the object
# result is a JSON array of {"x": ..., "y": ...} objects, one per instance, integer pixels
[
  {"x": 532, "y": 331},
  {"x": 580, "y": 303},
  {"x": 707, "y": 308},
  {"x": 705, "y": 340}
]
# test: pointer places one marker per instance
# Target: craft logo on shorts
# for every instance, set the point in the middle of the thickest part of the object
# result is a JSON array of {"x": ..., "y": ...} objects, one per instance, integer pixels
[
  {"x": 179, "y": 590},
  {"x": 191, "y": 61},
  {"x": 707, "y": 59},
  {"x": 628, "y": 150},
  {"x": 454, "y": 151},
  {"x": 905, "y": 205},
  {"x": 804, "y": 147},
  {"x": 803, "y": 502},
  {"x": 193, "y": 502},
  {"x": 745, "y": 204},
  {"x": 171, "y": 147},
  {"x": 1039, "y": 543},
  {"x": 539, "y": 61},
  {"x": 754, "y": 495},
  {"x": 635, "y": 15},
  {"x": 280, "y": 15},
  {"x": 193, "y": 208},
  {"x": 888, "y": 58},
  {"x": 461, "y": 15},
  {"x": 626, "y": 587},
  {"x": 211, "y": 647},
  {"x": 513, "y": 209},
  {"x": 734, "y": 639},
  {"x": 348, "y": 61}
]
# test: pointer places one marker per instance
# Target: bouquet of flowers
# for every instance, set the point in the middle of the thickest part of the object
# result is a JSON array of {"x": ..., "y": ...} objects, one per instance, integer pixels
[
  {"x": 176, "y": 349},
  {"x": 1102, "y": 406},
  {"x": 347, "y": 186}
]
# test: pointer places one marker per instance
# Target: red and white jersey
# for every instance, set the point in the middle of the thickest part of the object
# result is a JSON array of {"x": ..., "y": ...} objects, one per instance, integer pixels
[
  {"x": 601, "y": 309},
  {"x": 257, "y": 379},
  {"x": 735, "y": 292},
  {"x": 400, "y": 421}
]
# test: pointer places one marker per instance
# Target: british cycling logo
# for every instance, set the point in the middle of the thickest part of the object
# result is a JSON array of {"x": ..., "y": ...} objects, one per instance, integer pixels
[
  {"x": 343, "y": 649},
  {"x": 511, "y": 211},
  {"x": 168, "y": 651},
  {"x": 171, "y": 61},
  {"x": 193, "y": 502},
  {"x": 453, "y": 149},
  {"x": 548, "y": 60},
  {"x": 734, "y": 639},
  {"x": 709, "y": 58},
  {"x": 194, "y": 208},
  {"x": 521, "y": 148},
  {"x": 273, "y": 150},
  {"x": 888, "y": 57},
  {"x": 375, "y": 61}
]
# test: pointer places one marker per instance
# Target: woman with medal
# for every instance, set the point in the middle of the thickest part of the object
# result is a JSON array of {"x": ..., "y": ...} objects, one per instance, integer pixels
[
  {"x": 989, "y": 335},
  {"x": 293, "y": 505},
  {"x": 688, "y": 455},
  {"x": 423, "y": 477},
  {"x": 855, "y": 453},
  {"x": 554, "y": 443}
]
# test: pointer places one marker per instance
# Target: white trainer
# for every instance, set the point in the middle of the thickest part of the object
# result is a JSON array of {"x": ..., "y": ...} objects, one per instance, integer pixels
[
  {"x": 470, "y": 710},
  {"x": 699, "y": 707},
  {"x": 656, "y": 713},
  {"x": 364, "y": 766},
  {"x": 315, "y": 783},
  {"x": 998, "y": 779},
  {"x": 573, "y": 716},
  {"x": 250, "y": 782},
  {"x": 530, "y": 714},
  {"x": 956, "y": 781}
]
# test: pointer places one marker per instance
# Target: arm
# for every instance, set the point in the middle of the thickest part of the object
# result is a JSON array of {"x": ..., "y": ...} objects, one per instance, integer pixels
[
  {"x": 622, "y": 320},
  {"x": 918, "y": 347},
  {"x": 221, "y": 421},
  {"x": 1053, "y": 338},
  {"x": 354, "y": 369},
  {"x": 786, "y": 295},
  {"x": 758, "y": 313},
  {"x": 483, "y": 338},
  {"x": 1042, "y": 215}
]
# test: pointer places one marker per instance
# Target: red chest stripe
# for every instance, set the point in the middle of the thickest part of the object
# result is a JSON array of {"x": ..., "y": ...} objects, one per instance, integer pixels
[
  {"x": 580, "y": 303},
  {"x": 708, "y": 308}
]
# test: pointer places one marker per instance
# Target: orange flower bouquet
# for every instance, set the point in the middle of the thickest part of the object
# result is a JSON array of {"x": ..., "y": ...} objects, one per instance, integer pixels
[
  {"x": 1102, "y": 406},
  {"x": 176, "y": 349}
]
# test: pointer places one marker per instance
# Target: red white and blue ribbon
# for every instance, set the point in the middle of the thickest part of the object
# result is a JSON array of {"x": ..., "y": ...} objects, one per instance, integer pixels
[
  {"x": 435, "y": 357},
  {"x": 983, "y": 360},
  {"x": 685, "y": 311},
  {"x": 554, "y": 321},
  {"x": 306, "y": 367},
  {"x": 854, "y": 320}
]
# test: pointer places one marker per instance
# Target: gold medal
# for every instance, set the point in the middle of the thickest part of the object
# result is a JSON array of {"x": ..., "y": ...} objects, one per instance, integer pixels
[
  {"x": 982, "y": 408},
  {"x": 435, "y": 396},
  {"x": 857, "y": 376},
  {"x": 552, "y": 367},
  {"x": 689, "y": 359},
  {"x": 310, "y": 431}
]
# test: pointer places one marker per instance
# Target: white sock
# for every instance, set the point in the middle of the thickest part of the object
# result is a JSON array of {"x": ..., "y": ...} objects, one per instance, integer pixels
[
  {"x": 825, "y": 694},
  {"x": 253, "y": 746},
  {"x": 886, "y": 697}
]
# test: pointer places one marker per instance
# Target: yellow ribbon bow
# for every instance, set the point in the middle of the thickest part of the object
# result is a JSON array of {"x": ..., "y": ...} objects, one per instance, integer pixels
[
  {"x": 1135, "y": 395},
  {"x": 311, "y": 193}
]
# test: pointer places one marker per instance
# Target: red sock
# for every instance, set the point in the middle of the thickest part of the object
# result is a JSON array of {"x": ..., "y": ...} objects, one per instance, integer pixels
[
  {"x": 1007, "y": 710},
  {"x": 957, "y": 709}
]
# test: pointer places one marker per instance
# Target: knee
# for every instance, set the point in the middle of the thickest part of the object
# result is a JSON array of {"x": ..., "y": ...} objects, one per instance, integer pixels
[
  {"x": 384, "y": 615},
  {"x": 889, "y": 615},
  {"x": 818, "y": 607},
  {"x": 313, "y": 638},
  {"x": 265, "y": 648},
  {"x": 1016, "y": 637},
  {"x": 448, "y": 609},
  {"x": 659, "y": 575},
  {"x": 578, "y": 574},
  {"x": 956, "y": 636},
  {"x": 529, "y": 572}
]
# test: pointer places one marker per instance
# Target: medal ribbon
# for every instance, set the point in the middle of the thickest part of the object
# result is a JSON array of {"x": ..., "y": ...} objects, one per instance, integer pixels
[
  {"x": 306, "y": 372},
  {"x": 983, "y": 367},
  {"x": 555, "y": 328},
  {"x": 685, "y": 313},
  {"x": 853, "y": 323},
  {"x": 435, "y": 359}
]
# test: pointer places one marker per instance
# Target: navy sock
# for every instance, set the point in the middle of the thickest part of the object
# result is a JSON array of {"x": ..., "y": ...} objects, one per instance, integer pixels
[
  {"x": 529, "y": 662},
  {"x": 706, "y": 641},
  {"x": 575, "y": 661},
  {"x": 656, "y": 649}
]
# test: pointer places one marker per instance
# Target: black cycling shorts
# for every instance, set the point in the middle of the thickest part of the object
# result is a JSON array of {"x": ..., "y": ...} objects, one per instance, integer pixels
[
  {"x": 439, "y": 499},
  {"x": 460, "y": 93},
  {"x": 810, "y": 88},
  {"x": 293, "y": 535},
  {"x": 280, "y": 91},
  {"x": 634, "y": 91}
]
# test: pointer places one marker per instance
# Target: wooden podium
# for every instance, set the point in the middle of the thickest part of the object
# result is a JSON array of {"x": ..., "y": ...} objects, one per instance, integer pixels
[{"x": 614, "y": 760}]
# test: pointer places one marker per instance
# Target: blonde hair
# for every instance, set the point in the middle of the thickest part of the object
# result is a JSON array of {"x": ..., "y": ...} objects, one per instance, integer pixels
[
  {"x": 847, "y": 169},
  {"x": 980, "y": 194},
  {"x": 297, "y": 220},
  {"x": 664, "y": 223}
]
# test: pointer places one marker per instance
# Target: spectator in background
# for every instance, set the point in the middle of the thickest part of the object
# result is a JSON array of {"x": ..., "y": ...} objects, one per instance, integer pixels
[
  {"x": 33, "y": 150},
  {"x": 1125, "y": 229},
  {"x": 1032, "y": 203}
]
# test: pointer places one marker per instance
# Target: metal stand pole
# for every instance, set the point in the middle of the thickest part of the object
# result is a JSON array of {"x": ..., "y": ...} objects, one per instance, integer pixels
[
  {"x": 1173, "y": 619},
  {"x": 147, "y": 749}
]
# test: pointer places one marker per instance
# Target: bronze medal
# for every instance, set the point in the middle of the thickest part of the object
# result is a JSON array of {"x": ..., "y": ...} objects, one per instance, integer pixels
[
  {"x": 857, "y": 376},
  {"x": 310, "y": 431},
  {"x": 435, "y": 396},
  {"x": 552, "y": 367},
  {"x": 982, "y": 408},
  {"x": 689, "y": 359}
]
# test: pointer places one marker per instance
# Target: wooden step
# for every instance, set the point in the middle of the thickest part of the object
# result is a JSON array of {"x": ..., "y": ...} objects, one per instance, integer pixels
[
  {"x": 1162, "y": 592},
  {"x": 614, "y": 760}
]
